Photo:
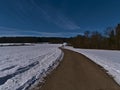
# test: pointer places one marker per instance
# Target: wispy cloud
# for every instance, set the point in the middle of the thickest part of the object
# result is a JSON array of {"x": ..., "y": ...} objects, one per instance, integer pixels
[
  {"x": 64, "y": 22},
  {"x": 32, "y": 12},
  {"x": 55, "y": 16},
  {"x": 5, "y": 31}
]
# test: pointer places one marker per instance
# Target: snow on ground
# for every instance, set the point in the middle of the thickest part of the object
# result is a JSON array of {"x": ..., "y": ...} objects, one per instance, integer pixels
[
  {"x": 22, "y": 66},
  {"x": 108, "y": 59},
  {"x": 15, "y": 44}
]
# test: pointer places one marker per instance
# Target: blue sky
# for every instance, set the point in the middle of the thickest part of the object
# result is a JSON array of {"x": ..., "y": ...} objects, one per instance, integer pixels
[{"x": 57, "y": 17}]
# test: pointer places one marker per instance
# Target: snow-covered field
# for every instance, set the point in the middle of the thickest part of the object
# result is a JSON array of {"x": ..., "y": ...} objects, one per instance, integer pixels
[
  {"x": 21, "y": 66},
  {"x": 108, "y": 59},
  {"x": 14, "y": 44}
]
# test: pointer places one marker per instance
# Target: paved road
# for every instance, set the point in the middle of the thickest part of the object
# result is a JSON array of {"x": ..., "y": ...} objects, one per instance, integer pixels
[{"x": 76, "y": 72}]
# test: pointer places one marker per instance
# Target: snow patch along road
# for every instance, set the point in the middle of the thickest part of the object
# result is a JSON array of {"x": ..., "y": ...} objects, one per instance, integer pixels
[
  {"x": 108, "y": 59},
  {"x": 22, "y": 66}
]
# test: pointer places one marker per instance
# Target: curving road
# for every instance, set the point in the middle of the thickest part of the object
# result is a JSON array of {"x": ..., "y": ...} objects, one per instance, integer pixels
[{"x": 76, "y": 72}]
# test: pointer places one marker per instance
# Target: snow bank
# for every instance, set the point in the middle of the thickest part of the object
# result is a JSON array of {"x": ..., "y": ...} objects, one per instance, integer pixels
[
  {"x": 108, "y": 59},
  {"x": 22, "y": 66}
]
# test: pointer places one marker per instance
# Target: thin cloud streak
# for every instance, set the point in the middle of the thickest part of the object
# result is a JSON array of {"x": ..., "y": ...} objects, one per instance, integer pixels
[
  {"x": 55, "y": 16},
  {"x": 5, "y": 32}
]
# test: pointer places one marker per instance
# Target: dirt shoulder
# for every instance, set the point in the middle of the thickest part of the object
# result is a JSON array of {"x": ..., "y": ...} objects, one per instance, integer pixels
[{"x": 77, "y": 72}]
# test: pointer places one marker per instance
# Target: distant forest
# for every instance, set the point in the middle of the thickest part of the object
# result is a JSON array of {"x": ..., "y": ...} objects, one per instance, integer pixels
[
  {"x": 90, "y": 40},
  {"x": 32, "y": 39},
  {"x": 95, "y": 40}
]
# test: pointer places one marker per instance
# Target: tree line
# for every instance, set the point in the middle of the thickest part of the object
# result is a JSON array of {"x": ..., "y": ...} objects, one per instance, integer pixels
[
  {"x": 32, "y": 39},
  {"x": 96, "y": 40}
]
